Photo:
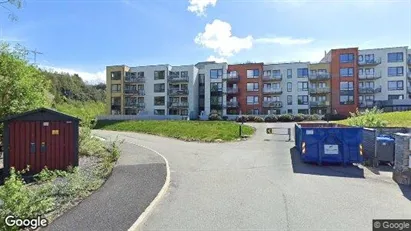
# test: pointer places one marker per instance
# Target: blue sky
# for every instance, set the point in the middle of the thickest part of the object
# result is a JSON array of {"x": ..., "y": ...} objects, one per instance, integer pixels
[{"x": 84, "y": 36}]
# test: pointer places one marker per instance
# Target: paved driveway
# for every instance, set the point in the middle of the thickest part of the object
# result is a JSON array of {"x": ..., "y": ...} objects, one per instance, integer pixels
[{"x": 261, "y": 184}]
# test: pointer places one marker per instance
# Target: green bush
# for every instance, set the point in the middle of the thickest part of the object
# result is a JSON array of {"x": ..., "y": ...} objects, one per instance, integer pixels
[
  {"x": 299, "y": 117},
  {"x": 271, "y": 118},
  {"x": 285, "y": 118},
  {"x": 258, "y": 119},
  {"x": 241, "y": 119},
  {"x": 225, "y": 118},
  {"x": 251, "y": 118},
  {"x": 315, "y": 117},
  {"x": 334, "y": 117},
  {"x": 367, "y": 118},
  {"x": 214, "y": 116}
]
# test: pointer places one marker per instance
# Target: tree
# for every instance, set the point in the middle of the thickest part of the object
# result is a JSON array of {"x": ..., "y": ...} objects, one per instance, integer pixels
[
  {"x": 22, "y": 86},
  {"x": 14, "y": 3}
]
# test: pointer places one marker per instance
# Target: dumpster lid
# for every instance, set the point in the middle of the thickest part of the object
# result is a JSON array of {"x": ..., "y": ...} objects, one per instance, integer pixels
[{"x": 385, "y": 138}]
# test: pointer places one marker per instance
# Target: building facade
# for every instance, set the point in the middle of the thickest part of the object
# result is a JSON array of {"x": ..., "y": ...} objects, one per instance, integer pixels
[{"x": 344, "y": 80}]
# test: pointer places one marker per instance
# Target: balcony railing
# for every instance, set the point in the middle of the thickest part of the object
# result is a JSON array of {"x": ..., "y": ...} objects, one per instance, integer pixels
[
  {"x": 178, "y": 91},
  {"x": 178, "y": 105},
  {"x": 375, "y": 75},
  {"x": 369, "y": 90},
  {"x": 134, "y": 91},
  {"x": 129, "y": 79},
  {"x": 177, "y": 78},
  {"x": 272, "y": 91},
  {"x": 319, "y": 76},
  {"x": 322, "y": 103},
  {"x": 320, "y": 90},
  {"x": 273, "y": 104},
  {"x": 232, "y": 77},
  {"x": 232, "y": 104},
  {"x": 371, "y": 62},
  {"x": 135, "y": 105},
  {"x": 367, "y": 104},
  {"x": 232, "y": 90},
  {"x": 271, "y": 78}
]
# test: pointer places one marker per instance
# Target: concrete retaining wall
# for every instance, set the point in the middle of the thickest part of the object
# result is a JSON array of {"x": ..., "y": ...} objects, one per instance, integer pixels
[{"x": 402, "y": 171}]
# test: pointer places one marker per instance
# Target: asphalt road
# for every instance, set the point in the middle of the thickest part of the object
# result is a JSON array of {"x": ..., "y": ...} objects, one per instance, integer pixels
[
  {"x": 261, "y": 184},
  {"x": 134, "y": 183}
]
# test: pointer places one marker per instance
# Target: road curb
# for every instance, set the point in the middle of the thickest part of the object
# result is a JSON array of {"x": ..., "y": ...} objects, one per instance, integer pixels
[{"x": 143, "y": 217}]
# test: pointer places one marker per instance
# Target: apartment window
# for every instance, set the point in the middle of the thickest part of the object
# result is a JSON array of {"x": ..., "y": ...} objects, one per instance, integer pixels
[
  {"x": 251, "y": 100},
  {"x": 140, "y": 74},
  {"x": 302, "y": 86},
  {"x": 289, "y": 87},
  {"x": 140, "y": 87},
  {"x": 271, "y": 98},
  {"x": 216, "y": 86},
  {"x": 318, "y": 98},
  {"x": 302, "y": 99},
  {"x": 253, "y": 73},
  {"x": 253, "y": 112},
  {"x": 289, "y": 73},
  {"x": 346, "y": 99},
  {"x": 140, "y": 99},
  {"x": 395, "y": 97},
  {"x": 184, "y": 74},
  {"x": 363, "y": 98},
  {"x": 159, "y": 112},
  {"x": 216, "y": 100},
  {"x": 366, "y": 84},
  {"x": 159, "y": 101},
  {"x": 184, "y": 112},
  {"x": 116, "y": 75},
  {"x": 303, "y": 111},
  {"x": 116, "y": 88},
  {"x": 201, "y": 78},
  {"x": 346, "y": 72},
  {"x": 395, "y": 85},
  {"x": 290, "y": 111},
  {"x": 395, "y": 57},
  {"x": 271, "y": 86},
  {"x": 233, "y": 73},
  {"x": 395, "y": 71},
  {"x": 116, "y": 101},
  {"x": 252, "y": 86},
  {"x": 159, "y": 75},
  {"x": 367, "y": 57},
  {"x": 276, "y": 73},
  {"x": 289, "y": 100},
  {"x": 159, "y": 87},
  {"x": 216, "y": 73},
  {"x": 346, "y": 86},
  {"x": 346, "y": 58},
  {"x": 302, "y": 72},
  {"x": 267, "y": 73}
]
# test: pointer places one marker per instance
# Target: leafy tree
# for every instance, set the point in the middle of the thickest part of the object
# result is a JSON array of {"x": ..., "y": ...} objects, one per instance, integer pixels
[
  {"x": 22, "y": 86},
  {"x": 13, "y": 3}
]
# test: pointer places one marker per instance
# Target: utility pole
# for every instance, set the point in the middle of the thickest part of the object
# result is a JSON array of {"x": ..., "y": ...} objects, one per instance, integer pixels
[{"x": 35, "y": 52}]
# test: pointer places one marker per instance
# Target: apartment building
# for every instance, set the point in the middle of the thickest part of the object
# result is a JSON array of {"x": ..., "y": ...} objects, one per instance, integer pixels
[{"x": 344, "y": 80}]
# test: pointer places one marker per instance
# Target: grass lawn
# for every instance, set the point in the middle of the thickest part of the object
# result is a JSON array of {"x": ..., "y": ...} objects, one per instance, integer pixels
[
  {"x": 393, "y": 119},
  {"x": 206, "y": 131}
]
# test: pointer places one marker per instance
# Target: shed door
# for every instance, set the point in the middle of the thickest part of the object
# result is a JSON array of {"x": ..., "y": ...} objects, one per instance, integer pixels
[{"x": 39, "y": 144}]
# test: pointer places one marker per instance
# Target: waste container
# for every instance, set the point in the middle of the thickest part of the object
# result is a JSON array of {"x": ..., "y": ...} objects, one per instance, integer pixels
[
  {"x": 385, "y": 148},
  {"x": 329, "y": 143}
]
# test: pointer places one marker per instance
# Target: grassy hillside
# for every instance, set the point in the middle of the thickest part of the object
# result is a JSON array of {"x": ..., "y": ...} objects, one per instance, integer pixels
[
  {"x": 393, "y": 119},
  {"x": 86, "y": 111}
]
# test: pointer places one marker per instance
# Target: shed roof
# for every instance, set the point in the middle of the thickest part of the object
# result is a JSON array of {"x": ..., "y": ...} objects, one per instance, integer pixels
[{"x": 40, "y": 110}]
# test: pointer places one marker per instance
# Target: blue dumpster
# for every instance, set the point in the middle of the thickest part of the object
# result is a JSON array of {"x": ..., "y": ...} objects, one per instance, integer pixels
[{"x": 329, "y": 143}]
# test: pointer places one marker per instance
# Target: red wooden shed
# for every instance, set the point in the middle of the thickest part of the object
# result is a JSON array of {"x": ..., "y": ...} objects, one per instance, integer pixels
[{"x": 39, "y": 138}]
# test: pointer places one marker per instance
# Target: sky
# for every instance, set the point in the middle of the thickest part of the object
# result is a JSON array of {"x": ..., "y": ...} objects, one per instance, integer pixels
[{"x": 85, "y": 36}]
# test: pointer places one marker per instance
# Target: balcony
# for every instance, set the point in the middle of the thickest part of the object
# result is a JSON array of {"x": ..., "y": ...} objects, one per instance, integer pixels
[
  {"x": 272, "y": 91},
  {"x": 367, "y": 104},
  {"x": 319, "y": 90},
  {"x": 409, "y": 75},
  {"x": 139, "y": 79},
  {"x": 369, "y": 90},
  {"x": 178, "y": 105},
  {"x": 232, "y": 77},
  {"x": 216, "y": 91},
  {"x": 319, "y": 103},
  {"x": 319, "y": 76},
  {"x": 273, "y": 104},
  {"x": 409, "y": 90},
  {"x": 232, "y": 104},
  {"x": 178, "y": 91},
  {"x": 139, "y": 92},
  {"x": 232, "y": 90},
  {"x": 116, "y": 106},
  {"x": 371, "y": 62},
  {"x": 177, "y": 79},
  {"x": 367, "y": 76},
  {"x": 216, "y": 105},
  {"x": 271, "y": 78},
  {"x": 134, "y": 105}
]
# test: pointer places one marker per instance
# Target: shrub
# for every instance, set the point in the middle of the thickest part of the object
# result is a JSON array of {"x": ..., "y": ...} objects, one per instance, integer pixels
[
  {"x": 258, "y": 119},
  {"x": 299, "y": 117},
  {"x": 315, "y": 117},
  {"x": 334, "y": 117},
  {"x": 367, "y": 118},
  {"x": 214, "y": 117},
  {"x": 241, "y": 119},
  {"x": 225, "y": 117},
  {"x": 251, "y": 118},
  {"x": 271, "y": 118},
  {"x": 285, "y": 118}
]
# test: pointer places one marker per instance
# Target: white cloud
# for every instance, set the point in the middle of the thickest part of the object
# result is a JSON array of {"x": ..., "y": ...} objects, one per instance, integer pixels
[
  {"x": 284, "y": 41},
  {"x": 199, "y": 6},
  {"x": 217, "y": 59},
  {"x": 218, "y": 36},
  {"x": 90, "y": 77}
]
